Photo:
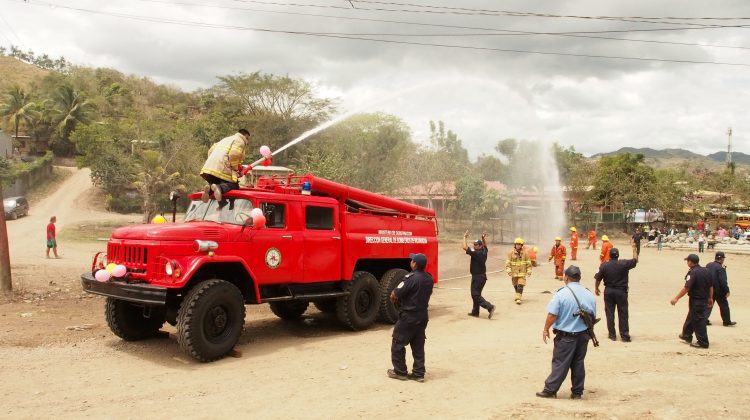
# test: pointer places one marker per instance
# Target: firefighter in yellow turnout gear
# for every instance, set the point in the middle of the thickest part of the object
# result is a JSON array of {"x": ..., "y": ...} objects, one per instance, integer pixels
[{"x": 518, "y": 267}]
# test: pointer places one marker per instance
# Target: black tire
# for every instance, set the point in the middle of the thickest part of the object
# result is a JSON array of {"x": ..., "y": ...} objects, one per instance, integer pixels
[
  {"x": 126, "y": 319},
  {"x": 327, "y": 306},
  {"x": 359, "y": 309},
  {"x": 210, "y": 320},
  {"x": 389, "y": 281},
  {"x": 290, "y": 310},
  {"x": 13, "y": 216}
]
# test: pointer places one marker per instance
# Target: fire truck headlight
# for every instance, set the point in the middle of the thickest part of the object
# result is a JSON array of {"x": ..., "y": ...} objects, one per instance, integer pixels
[
  {"x": 169, "y": 269},
  {"x": 204, "y": 246}
]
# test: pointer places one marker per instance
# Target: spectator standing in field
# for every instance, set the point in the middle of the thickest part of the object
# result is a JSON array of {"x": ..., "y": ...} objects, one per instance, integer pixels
[{"x": 52, "y": 237}]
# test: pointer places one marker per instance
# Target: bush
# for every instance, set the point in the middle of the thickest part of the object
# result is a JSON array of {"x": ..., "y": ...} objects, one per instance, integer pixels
[{"x": 124, "y": 204}]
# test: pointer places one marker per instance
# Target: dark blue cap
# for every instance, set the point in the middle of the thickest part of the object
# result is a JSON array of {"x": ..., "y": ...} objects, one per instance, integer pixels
[{"x": 420, "y": 259}]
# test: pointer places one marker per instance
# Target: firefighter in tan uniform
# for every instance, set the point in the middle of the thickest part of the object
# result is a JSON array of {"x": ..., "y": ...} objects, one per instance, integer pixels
[
  {"x": 518, "y": 267},
  {"x": 223, "y": 166}
]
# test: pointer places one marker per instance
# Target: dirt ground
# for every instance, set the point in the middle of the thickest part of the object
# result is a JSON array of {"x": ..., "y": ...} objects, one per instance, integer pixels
[{"x": 61, "y": 360}]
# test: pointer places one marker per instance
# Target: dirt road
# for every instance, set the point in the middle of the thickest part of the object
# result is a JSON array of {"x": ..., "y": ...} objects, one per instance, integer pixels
[{"x": 60, "y": 360}]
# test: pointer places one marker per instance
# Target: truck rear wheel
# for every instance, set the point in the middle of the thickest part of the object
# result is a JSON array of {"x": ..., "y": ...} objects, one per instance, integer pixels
[
  {"x": 359, "y": 309},
  {"x": 389, "y": 281},
  {"x": 210, "y": 320},
  {"x": 326, "y": 306},
  {"x": 127, "y": 320},
  {"x": 290, "y": 310}
]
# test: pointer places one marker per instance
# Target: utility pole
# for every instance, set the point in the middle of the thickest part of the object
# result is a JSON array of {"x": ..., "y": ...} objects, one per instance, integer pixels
[
  {"x": 730, "y": 164},
  {"x": 6, "y": 285}
]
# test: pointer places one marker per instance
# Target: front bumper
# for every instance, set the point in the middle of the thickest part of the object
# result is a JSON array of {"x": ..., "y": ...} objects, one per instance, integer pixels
[{"x": 133, "y": 292}]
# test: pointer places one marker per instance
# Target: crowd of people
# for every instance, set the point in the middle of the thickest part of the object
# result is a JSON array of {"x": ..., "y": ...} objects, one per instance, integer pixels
[{"x": 571, "y": 313}]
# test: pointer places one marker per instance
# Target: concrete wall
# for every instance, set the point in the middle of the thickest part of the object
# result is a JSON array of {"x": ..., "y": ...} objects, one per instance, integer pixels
[
  {"x": 24, "y": 182},
  {"x": 6, "y": 144}
]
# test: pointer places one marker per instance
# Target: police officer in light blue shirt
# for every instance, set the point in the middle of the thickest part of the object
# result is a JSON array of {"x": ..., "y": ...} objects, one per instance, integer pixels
[{"x": 571, "y": 335}]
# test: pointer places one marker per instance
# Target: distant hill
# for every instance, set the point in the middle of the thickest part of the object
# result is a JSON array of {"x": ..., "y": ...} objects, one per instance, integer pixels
[
  {"x": 737, "y": 157},
  {"x": 14, "y": 71},
  {"x": 670, "y": 158}
]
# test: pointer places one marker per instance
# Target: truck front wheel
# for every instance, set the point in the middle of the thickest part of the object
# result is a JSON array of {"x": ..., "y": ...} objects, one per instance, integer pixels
[
  {"x": 389, "y": 281},
  {"x": 133, "y": 322},
  {"x": 289, "y": 310},
  {"x": 359, "y": 309},
  {"x": 210, "y": 320}
]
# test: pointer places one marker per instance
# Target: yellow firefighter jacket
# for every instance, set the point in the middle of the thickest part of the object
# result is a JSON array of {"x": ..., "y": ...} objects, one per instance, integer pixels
[
  {"x": 225, "y": 157},
  {"x": 518, "y": 264}
]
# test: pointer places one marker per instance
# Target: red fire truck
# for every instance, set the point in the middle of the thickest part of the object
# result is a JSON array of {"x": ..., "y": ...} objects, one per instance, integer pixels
[{"x": 340, "y": 248}]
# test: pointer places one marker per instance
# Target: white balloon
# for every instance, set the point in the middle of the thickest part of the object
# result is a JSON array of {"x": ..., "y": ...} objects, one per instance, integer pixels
[{"x": 256, "y": 212}]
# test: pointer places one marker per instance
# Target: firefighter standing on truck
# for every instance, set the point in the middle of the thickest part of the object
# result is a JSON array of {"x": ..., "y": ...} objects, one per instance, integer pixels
[
  {"x": 413, "y": 295},
  {"x": 224, "y": 165},
  {"x": 518, "y": 267},
  {"x": 573, "y": 243},
  {"x": 558, "y": 254}
]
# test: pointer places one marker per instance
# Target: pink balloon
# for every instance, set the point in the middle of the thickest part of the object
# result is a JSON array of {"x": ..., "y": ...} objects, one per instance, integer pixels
[
  {"x": 101, "y": 275},
  {"x": 259, "y": 221},
  {"x": 119, "y": 271},
  {"x": 265, "y": 151}
]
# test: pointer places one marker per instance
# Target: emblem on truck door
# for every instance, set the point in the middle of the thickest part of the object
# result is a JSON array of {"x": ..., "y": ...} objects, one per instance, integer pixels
[{"x": 273, "y": 258}]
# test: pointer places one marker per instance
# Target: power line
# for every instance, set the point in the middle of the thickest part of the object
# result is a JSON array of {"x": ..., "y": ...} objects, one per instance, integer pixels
[
  {"x": 339, "y": 36},
  {"x": 491, "y": 32},
  {"x": 10, "y": 28},
  {"x": 531, "y": 14}
]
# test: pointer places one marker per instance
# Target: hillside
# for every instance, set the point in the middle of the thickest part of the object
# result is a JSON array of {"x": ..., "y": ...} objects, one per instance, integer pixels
[
  {"x": 14, "y": 71},
  {"x": 670, "y": 158},
  {"x": 738, "y": 157}
]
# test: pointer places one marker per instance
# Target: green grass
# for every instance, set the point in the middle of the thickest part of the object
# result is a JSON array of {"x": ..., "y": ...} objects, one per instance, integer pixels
[{"x": 89, "y": 231}]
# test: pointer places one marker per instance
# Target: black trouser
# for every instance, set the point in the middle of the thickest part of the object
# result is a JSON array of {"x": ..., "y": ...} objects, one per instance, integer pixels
[
  {"x": 695, "y": 322},
  {"x": 569, "y": 354},
  {"x": 638, "y": 248},
  {"x": 409, "y": 330},
  {"x": 477, "y": 284},
  {"x": 224, "y": 185},
  {"x": 723, "y": 309},
  {"x": 616, "y": 298}
]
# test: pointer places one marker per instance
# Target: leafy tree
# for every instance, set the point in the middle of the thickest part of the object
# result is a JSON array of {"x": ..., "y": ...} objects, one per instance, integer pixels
[
  {"x": 368, "y": 151},
  {"x": 153, "y": 181},
  {"x": 624, "y": 182},
  {"x": 491, "y": 168},
  {"x": 276, "y": 108},
  {"x": 469, "y": 193}
]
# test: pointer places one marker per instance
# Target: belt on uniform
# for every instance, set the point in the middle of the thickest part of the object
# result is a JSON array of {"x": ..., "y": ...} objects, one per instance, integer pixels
[{"x": 568, "y": 334}]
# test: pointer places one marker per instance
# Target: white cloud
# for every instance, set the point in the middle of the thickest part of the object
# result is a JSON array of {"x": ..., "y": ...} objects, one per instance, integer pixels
[{"x": 595, "y": 105}]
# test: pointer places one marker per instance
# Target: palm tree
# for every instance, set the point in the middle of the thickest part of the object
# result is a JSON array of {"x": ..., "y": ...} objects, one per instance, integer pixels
[
  {"x": 18, "y": 108},
  {"x": 69, "y": 110}
]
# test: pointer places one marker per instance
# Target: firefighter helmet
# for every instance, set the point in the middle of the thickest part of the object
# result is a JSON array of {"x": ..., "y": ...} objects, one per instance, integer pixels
[
  {"x": 518, "y": 241},
  {"x": 557, "y": 238},
  {"x": 605, "y": 238},
  {"x": 536, "y": 249},
  {"x": 573, "y": 229}
]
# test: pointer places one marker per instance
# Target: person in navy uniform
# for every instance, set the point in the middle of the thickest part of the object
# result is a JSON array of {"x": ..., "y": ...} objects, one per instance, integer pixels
[
  {"x": 478, "y": 270},
  {"x": 571, "y": 334},
  {"x": 721, "y": 289},
  {"x": 614, "y": 274},
  {"x": 699, "y": 286},
  {"x": 413, "y": 295}
]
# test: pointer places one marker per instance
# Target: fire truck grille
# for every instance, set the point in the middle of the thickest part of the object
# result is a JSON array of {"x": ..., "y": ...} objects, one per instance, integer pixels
[{"x": 132, "y": 256}]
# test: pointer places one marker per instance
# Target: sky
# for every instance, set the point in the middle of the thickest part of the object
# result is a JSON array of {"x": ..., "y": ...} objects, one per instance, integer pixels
[{"x": 594, "y": 75}]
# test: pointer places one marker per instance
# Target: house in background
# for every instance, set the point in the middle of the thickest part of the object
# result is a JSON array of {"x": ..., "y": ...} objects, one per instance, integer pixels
[{"x": 6, "y": 145}]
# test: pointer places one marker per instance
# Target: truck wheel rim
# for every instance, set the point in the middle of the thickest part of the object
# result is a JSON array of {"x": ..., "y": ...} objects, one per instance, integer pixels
[
  {"x": 216, "y": 322},
  {"x": 364, "y": 302}
]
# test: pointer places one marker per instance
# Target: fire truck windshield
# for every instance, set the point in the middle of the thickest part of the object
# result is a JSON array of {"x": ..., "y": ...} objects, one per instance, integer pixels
[{"x": 236, "y": 212}]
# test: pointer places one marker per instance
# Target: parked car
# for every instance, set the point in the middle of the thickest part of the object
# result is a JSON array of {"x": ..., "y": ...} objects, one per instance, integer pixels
[{"x": 15, "y": 207}]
